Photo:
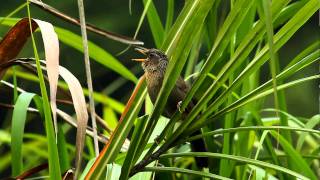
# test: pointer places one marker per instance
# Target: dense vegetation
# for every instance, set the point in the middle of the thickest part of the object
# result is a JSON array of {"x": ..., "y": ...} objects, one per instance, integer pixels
[{"x": 252, "y": 66}]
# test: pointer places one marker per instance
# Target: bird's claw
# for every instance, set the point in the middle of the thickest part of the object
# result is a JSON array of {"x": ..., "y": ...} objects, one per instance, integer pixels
[
  {"x": 179, "y": 106},
  {"x": 157, "y": 140}
]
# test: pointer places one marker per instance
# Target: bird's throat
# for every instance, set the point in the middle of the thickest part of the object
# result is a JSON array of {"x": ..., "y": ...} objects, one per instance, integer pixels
[{"x": 154, "y": 83}]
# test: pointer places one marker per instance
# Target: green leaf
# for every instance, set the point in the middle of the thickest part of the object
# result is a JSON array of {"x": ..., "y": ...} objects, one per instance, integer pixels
[
  {"x": 313, "y": 122},
  {"x": 154, "y": 23},
  {"x": 300, "y": 164},
  {"x": 229, "y": 27},
  {"x": 193, "y": 12},
  {"x": 54, "y": 164},
  {"x": 283, "y": 35},
  {"x": 87, "y": 168},
  {"x": 170, "y": 13},
  {"x": 96, "y": 52},
  {"x": 110, "y": 152},
  {"x": 244, "y": 100},
  {"x": 113, "y": 171},
  {"x": 62, "y": 149},
  {"x": 98, "y": 97},
  {"x": 252, "y": 128},
  {"x": 135, "y": 144},
  {"x": 185, "y": 171},
  {"x": 236, "y": 158},
  {"x": 19, "y": 117}
]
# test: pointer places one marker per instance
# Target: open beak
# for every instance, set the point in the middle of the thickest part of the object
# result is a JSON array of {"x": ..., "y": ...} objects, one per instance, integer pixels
[
  {"x": 142, "y": 51},
  {"x": 139, "y": 60}
]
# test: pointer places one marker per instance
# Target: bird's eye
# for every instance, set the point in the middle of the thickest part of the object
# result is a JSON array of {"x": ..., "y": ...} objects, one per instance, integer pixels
[{"x": 152, "y": 55}]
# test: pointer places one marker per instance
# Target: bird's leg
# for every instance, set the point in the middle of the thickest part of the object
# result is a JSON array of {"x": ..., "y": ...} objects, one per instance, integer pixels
[
  {"x": 179, "y": 106},
  {"x": 157, "y": 140}
]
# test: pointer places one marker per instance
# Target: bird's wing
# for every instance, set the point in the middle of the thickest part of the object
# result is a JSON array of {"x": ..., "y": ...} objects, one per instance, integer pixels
[
  {"x": 184, "y": 88},
  {"x": 182, "y": 85}
]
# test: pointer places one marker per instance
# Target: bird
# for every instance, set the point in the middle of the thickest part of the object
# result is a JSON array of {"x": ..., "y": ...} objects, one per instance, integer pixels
[{"x": 154, "y": 66}]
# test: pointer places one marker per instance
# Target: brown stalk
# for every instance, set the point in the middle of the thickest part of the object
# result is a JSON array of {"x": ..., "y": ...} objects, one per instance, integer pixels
[
  {"x": 89, "y": 27},
  {"x": 33, "y": 171}
]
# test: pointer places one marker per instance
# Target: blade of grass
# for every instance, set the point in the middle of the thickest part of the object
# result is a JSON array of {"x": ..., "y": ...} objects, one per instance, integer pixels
[
  {"x": 19, "y": 117},
  {"x": 236, "y": 158},
  {"x": 111, "y": 150},
  {"x": 185, "y": 171},
  {"x": 19, "y": 8},
  {"x": 313, "y": 122},
  {"x": 154, "y": 23},
  {"x": 302, "y": 63},
  {"x": 170, "y": 14},
  {"x": 266, "y": 4},
  {"x": 223, "y": 36},
  {"x": 62, "y": 149},
  {"x": 284, "y": 34},
  {"x": 252, "y": 128},
  {"x": 54, "y": 166},
  {"x": 240, "y": 103},
  {"x": 194, "y": 12},
  {"x": 101, "y": 98},
  {"x": 299, "y": 162},
  {"x": 134, "y": 145},
  {"x": 87, "y": 168}
]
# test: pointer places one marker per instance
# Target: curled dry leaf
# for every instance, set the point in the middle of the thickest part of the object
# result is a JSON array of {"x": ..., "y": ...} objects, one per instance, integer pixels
[
  {"x": 51, "y": 48},
  {"x": 13, "y": 42},
  {"x": 80, "y": 108}
]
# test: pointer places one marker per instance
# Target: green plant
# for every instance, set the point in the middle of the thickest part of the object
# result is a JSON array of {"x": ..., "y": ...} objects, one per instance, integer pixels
[{"x": 221, "y": 47}]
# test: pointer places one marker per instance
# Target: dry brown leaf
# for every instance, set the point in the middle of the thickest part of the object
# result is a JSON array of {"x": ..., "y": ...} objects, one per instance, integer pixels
[
  {"x": 13, "y": 41},
  {"x": 11, "y": 45},
  {"x": 51, "y": 48},
  {"x": 80, "y": 107}
]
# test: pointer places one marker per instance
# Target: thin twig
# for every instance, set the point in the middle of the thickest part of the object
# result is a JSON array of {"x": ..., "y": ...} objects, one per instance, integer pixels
[
  {"x": 10, "y": 106},
  {"x": 88, "y": 71},
  {"x": 68, "y": 119},
  {"x": 92, "y": 28},
  {"x": 32, "y": 171},
  {"x": 25, "y": 63},
  {"x": 89, "y": 83},
  {"x": 148, "y": 159}
]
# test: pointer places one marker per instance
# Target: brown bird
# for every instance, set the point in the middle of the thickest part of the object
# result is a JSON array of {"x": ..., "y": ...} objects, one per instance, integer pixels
[{"x": 155, "y": 66}]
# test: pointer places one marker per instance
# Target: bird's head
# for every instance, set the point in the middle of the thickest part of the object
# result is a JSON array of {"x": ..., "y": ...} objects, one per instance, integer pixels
[{"x": 156, "y": 60}]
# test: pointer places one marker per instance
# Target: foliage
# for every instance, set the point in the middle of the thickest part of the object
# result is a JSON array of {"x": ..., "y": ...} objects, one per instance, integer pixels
[{"x": 221, "y": 47}]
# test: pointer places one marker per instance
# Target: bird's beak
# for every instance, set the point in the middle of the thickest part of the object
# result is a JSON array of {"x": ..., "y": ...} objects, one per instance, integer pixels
[
  {"x": 139, "y": 60},
  {"x": 142, "y": 51}
]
